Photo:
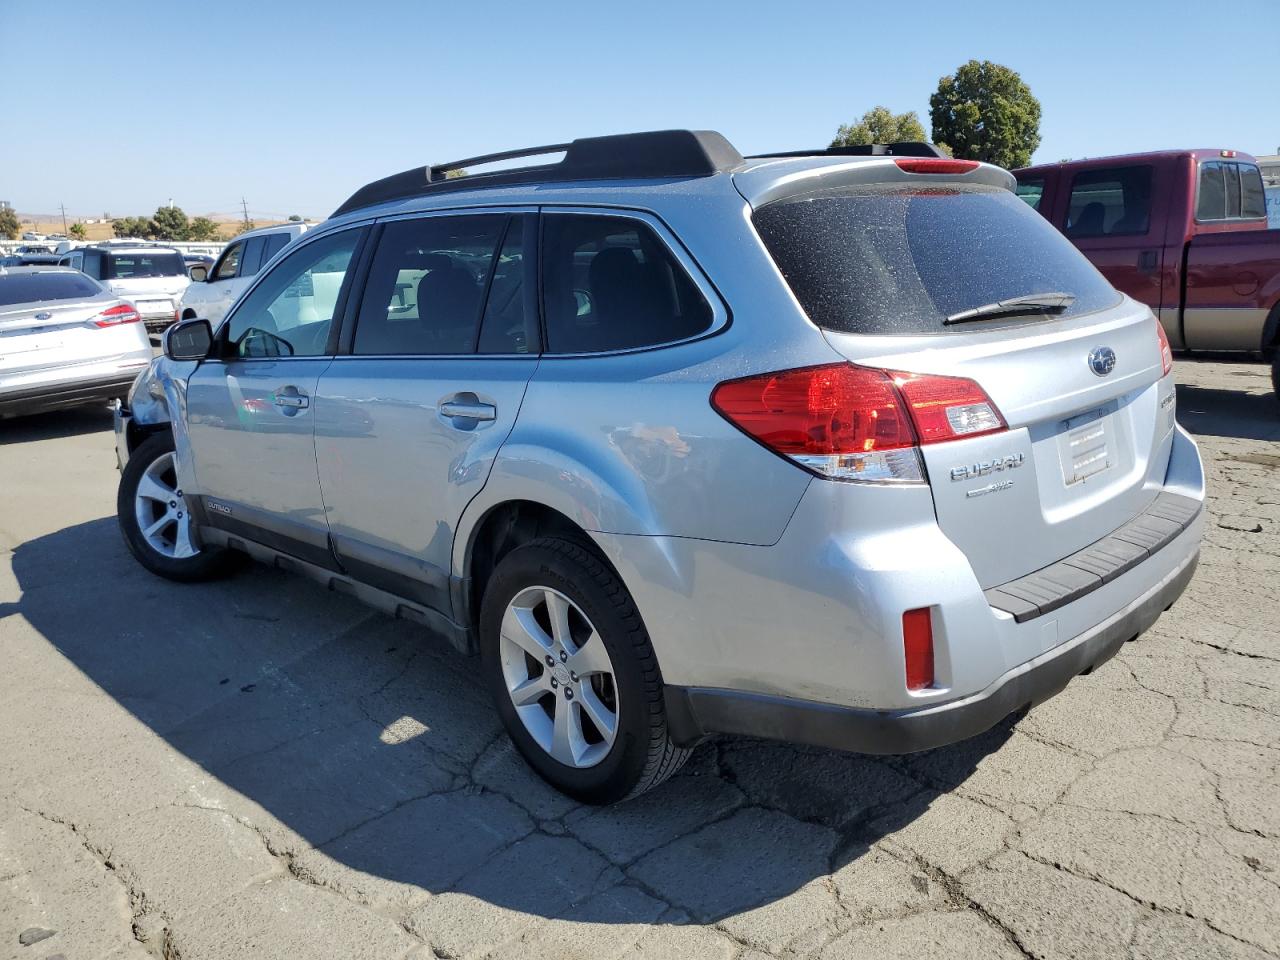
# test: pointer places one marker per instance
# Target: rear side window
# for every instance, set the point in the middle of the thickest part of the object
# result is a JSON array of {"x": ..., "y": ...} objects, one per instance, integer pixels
[
  {"x": 896, "y": 259},
  {"x": 427, "y": 283},
  {"x": 609, "y": 283},
  {"x": 1229, "y": 191},
  {"x": 1110, "y": 202},
  {"x": 45, "y": 285},
  {"x": 1031, "y": 191},
  {"x": 93, "y": 264},
  {"x": 127, "y": 266}
]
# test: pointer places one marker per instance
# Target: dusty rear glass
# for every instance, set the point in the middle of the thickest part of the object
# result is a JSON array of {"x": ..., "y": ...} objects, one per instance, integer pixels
[
  {"x": 899, "y": 259},
  {"x": 39, "y": 287}
]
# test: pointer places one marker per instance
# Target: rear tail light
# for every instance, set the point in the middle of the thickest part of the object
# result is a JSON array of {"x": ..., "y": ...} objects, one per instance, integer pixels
[
  {"x": 114, "y": 316},
  {"x": 847, "y": 422},
  {"x": 917, "y": 647},
  {"x": 1166, "y": 354},
  {"x": 935, "y": 165}
]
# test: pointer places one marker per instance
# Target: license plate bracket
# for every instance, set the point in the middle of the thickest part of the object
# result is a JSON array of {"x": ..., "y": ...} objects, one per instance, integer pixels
[{"x": 1084, "y": 446}]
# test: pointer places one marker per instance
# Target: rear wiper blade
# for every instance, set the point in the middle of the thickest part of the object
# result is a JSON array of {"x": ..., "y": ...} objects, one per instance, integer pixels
[{"x": 1032, "y": 304}]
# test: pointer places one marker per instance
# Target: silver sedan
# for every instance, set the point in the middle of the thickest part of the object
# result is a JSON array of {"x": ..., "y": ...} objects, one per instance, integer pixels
[{"x": 65, "y": 340}]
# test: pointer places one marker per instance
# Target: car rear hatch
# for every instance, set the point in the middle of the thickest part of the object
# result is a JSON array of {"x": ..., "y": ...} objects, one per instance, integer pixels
[
  {"x": 151, "y": 280},
  {"x": 914, "y": 273}
]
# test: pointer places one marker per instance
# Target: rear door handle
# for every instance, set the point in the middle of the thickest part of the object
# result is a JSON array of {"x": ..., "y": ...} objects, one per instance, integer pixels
[
  {"x": 468, "y": 410},
  {"x": 291, "y": 398},
  {"x": 1148, "y": 260}
]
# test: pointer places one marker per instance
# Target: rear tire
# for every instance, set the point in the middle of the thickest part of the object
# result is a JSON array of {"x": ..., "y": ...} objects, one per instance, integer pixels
[
  {"x": 155, "y": 521},
  {"x": 596, "y": 762}
]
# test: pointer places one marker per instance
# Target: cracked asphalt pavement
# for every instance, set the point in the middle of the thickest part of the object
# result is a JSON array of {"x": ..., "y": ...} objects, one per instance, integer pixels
[{"x": 259, "y": 768}]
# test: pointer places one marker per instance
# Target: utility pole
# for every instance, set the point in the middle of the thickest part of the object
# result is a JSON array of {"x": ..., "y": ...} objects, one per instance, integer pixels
[
  {"x": 64, "y": 216},
  {"x": 245, "y": 207}
]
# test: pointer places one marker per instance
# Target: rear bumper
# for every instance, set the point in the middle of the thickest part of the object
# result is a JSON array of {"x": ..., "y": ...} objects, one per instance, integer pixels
[
  {"x": 695, "y": 712},
  {"x": 57, "y": 396}
]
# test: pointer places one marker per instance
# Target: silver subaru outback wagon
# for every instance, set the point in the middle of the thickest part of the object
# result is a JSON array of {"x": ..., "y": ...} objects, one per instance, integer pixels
[{"x": 845, "y": 448}]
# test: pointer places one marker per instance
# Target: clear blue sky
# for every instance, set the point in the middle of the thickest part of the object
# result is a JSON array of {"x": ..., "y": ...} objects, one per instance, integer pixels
[{"x": 293, "y": 105}]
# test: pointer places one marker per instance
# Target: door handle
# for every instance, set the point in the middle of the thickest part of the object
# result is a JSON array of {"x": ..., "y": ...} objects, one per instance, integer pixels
[
  {"x": 292, "y": 400},
  {"x": 468, "y": 410},
  {"x": 1148, "y": 260}
]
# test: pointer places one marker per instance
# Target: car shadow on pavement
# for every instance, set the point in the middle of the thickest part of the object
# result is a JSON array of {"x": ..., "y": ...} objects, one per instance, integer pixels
[
  {"x": 367, "y": 754},
  {"x": 59, "y": 423},
  {"x": 1224, "y": 412}
]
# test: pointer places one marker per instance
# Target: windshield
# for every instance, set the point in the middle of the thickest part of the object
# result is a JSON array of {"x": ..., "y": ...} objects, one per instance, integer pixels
[
  {"x": 898, "y": 259},
  {"x": 36, "y": 287},
  {"x": 123, "y": 266}
]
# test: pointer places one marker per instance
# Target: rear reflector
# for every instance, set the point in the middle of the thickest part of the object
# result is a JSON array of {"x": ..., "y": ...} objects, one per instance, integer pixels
[
  {"x": 935, "y": 165},
  {"x": 114, "y": 316},
  {"x": 1166, "y": 353},
  {"x": 917, "y": 645}
]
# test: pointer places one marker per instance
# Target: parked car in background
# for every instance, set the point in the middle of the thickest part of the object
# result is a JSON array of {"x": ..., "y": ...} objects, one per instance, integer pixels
[
  {"x": 686, "y": 443},
  {"x": 211, "y": 296},
  {"x": 65, "y": 340},
  {"x": 150, "y": 276},
  {"x": 1183, "y": 231}
]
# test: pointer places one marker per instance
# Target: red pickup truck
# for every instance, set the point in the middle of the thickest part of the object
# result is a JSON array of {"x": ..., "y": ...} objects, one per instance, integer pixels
[{"x": 1184, "y": 231}]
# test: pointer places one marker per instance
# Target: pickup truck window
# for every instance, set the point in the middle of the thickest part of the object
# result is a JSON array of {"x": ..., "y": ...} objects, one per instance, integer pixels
[
  {"x": 1032, "y": 191},
  {"x": 1110, "y": 202},
  {"x": 1229, "y": 191}
]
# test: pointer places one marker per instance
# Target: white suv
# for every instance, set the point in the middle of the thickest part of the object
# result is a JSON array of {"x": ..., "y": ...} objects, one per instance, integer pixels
[
  {"x": 150, "y": 276},
  {"x": 211, "y": 295}
]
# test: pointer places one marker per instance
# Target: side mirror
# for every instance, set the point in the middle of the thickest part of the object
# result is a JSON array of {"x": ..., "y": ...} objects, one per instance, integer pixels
[
  {"x": 199, "y": 273},
  {"x": 188, "y": 340}
]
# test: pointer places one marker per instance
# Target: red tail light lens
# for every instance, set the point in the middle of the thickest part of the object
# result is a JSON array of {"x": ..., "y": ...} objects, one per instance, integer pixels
[
  {"x": 114, "y": 316},
  {"x": 1166, "y": 353},
  {"x": 837, "y": 420},
  {"x": 935, "y": 165},
  {"x": 917, "y": 645},
  {"x": 945, "y": 408},
  {"x": 848, "y": 422}
]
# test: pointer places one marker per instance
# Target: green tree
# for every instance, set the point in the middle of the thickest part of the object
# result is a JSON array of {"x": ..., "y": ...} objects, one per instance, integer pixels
[
  {"x": 9, "y": 225},
  {"x": 131, "y": 227},
  {"x": 202, "y": 228},
  {"x": 78, "y": 231},
  {"x": 171, "y": 224},
  {"x": 879, "y": 125},
  {"x": 246, "y": 226},
  {"x": 986, "y": 112},
  {"x": 294, "y": 218}
]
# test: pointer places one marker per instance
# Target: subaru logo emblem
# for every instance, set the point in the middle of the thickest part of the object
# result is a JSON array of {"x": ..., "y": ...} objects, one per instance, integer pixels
[{"x": 1102, "y": 360}]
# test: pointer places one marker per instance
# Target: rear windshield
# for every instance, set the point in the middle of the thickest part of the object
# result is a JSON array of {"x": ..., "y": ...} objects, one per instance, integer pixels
[
  {"x": 123, "y": 266},
  {"x": 35, "y": 287},
  {"x": 896, "y": 259}
]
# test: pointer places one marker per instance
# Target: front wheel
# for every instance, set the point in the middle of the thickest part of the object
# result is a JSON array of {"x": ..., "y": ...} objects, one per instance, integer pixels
[
  {"x": 573, "y": 674},
  {"x": 154, "y": 518}
]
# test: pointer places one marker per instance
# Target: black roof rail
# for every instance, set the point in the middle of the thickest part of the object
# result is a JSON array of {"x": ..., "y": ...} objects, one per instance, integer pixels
[
  {"x": 906, "y": 148},
  {"x": 658, "y": 154}
]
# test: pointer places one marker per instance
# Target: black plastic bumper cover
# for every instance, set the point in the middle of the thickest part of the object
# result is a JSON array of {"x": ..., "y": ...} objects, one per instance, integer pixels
[
  {"x": 696, "y": 712},
  {"x": 57, "y": 396}
]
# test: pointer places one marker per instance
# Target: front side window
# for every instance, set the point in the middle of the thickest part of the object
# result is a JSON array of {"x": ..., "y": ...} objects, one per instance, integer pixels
[
  {"x": 251, "y": 259},
  {"x": 1110, "y": 202},
  {"x": 132, "y": 266},
  {"x": 1031, "y": 191},
  {"x": 229, "y": 263},
  {"x": 290, "y": 312},
  {"x": 427, "y": 283},
  {"x": 609, "y": 283}
]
